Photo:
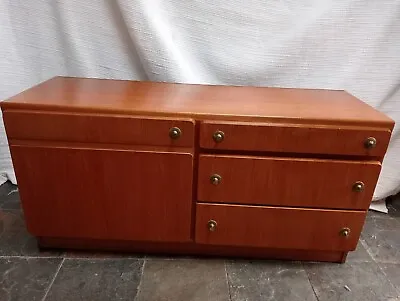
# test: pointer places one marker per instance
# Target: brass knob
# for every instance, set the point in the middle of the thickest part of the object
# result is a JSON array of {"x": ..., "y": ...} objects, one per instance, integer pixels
[
  {"x": 175, "y": 133},
  {"x": 218, "y": 136},
  {"x": 358, "y": 186},
  {"x": 215, "y": 179},
  {"x": 345, "y": 232},
  {"x": 370, "y": 142},
  {"x": 212, "y": 225}
]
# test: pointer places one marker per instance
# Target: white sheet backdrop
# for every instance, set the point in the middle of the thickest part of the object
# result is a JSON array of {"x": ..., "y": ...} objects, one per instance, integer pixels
[{"x": 341, "y": 44}]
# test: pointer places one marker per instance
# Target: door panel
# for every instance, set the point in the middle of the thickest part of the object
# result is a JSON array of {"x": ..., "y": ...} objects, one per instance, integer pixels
[{"x": 105, "y": 194}]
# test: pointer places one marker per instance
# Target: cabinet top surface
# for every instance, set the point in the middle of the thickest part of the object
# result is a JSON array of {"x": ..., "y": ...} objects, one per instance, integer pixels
[{"x": 235, "y": 103}]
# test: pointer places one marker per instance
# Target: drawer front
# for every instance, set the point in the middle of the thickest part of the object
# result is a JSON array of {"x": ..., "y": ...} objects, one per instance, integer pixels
[
  {"x": 273, "y": 227},
  {"x": 96, "y": 128},
  {"x": 294, "y": 138},
  {"x": 287, "y": 181}
]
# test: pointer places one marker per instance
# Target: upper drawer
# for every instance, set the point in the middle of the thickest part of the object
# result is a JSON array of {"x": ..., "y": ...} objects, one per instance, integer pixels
[
  {"x": 294, "y": 138},
  {"x": 97, "y": 128},
  {"x": 287, "y": 181}
]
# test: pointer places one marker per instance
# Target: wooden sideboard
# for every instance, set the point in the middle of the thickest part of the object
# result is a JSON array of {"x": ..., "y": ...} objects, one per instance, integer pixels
[{"x": 195, "y": 169}]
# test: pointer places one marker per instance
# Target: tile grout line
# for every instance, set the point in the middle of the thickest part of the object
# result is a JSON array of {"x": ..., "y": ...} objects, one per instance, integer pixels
[
  {"x": 29, "y": 257},
  {"x": 52, "y": 280},
  {"x": 366, "y": 247},
  {"x": 390, "y": 281},
  {"x": 150, "y": 258},
  {"x": 141, "y": 279},
  {"x": 386, "y": 276},
  {"x": 102, "y": 258},
  {"x": 309, "y": 281},
  {"x": 67, "y": 258},
  {"x": 227, "y": 281}
]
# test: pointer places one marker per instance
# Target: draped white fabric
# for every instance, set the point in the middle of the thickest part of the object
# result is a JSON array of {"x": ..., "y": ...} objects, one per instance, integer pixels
[{"x": 342, "y": 44}]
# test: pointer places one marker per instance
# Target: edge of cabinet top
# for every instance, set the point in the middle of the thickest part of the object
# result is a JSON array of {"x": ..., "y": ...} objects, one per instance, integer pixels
[{"x": 202, "y": 102}]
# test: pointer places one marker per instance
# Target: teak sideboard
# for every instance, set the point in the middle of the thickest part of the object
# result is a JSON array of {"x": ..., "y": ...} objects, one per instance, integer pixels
[{"x": 195, "y": 169}]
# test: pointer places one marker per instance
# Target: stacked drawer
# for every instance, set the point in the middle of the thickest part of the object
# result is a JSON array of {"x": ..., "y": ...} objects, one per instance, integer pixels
[{"x": 286, "y": 186}]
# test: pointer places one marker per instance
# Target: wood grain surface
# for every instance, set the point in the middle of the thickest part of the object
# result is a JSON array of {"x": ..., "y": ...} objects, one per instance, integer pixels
[
  {"x": 105, "y": 194},
  {"x": 199, "y": 101},
  {"x": 273, "y": 227},
  {"x": 97, "y": 128},
  {"x": 287, "y": 181},
  {"x": 97, "y": 168},
  {"x": 306, "y": 139}
]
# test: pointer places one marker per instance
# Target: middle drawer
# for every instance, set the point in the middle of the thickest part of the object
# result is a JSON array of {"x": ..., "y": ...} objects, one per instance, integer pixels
[{"x": 287, "y": 181}]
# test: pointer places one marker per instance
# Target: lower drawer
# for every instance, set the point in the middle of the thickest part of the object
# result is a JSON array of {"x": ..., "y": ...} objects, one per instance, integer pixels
[{"x": 273, "y": 227}]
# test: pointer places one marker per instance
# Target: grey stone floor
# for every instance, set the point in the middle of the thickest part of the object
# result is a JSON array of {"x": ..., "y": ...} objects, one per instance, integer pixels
[{"x": 372, "y": 272}]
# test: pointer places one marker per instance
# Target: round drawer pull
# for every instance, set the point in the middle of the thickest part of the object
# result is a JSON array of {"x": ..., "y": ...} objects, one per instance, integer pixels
[
  {"x": 212, "y": 225},
  {"x": 215, "y": 179},
  {"x": 218, "y": 136},
  {"x": 345, "y": 232},
  {"x": 175, "y": 133},
  {"x": 370, "y": 143},
  {"x": 358, "y": 186}
]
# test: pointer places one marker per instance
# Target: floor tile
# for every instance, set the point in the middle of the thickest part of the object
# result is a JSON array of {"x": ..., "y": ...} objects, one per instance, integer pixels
[
  {"x": 26, "y": 278},
  {"x": 15, "y": 239},
  {"x": 189, "y": 280},
  {"x": 377, "y": 224},
  {"x": 359, "y": 255},
  {"x": 76, "y": 254},
  {"x": 382, "y": 239},
  {"x": 392, "y": 272},
  {"x": 101, "y": 279},
  {"x": 393, "y": 205},
  {"x": 355, "y": 282},
  {"x": 376, "y": 214},
  {"x": 161, "y": 256},
  {"x": 264, "y": 280},
  {"x": 9, "y": 196}
]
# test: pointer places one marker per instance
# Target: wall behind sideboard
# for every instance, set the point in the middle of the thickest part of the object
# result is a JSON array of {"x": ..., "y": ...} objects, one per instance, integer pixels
[{"x": 352, "y": 45}]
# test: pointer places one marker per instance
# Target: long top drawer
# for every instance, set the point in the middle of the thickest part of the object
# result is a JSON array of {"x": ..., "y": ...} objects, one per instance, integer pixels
[{"x": 99, "y": 128}]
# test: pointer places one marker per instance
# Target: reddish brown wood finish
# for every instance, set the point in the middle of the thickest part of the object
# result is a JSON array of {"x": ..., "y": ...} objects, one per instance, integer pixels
[
  {"x": 294, "y": 106},
  {"x": 294, "y": 138},
  {"x": 274, "y": 227},
  {"x": 97, "y": 128},
  {"x": 189, "y": 248},
  {"x": 96, "y": 167},
  {"x": 105, "y": 194},
  {"x": 103, "y": 146},
  {"x": 287, "y": 181}
]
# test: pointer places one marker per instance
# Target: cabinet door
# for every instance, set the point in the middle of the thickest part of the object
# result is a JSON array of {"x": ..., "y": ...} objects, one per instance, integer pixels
[{"x": 105, "y": 194}]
